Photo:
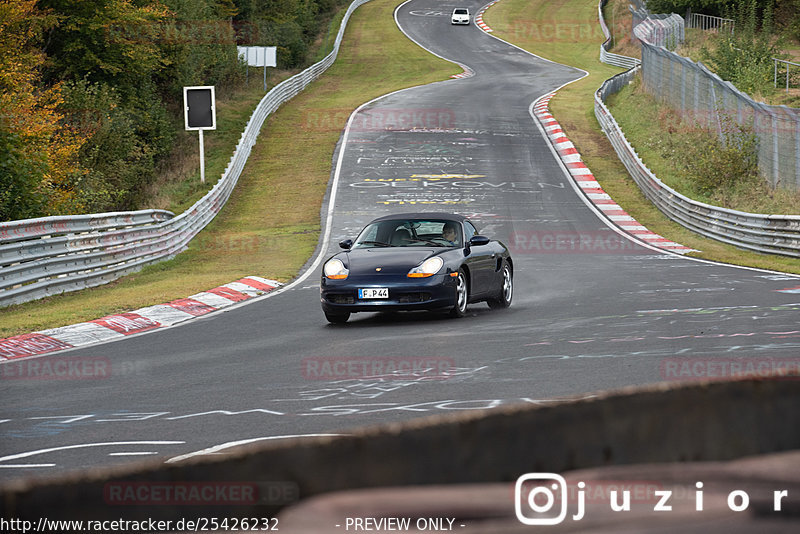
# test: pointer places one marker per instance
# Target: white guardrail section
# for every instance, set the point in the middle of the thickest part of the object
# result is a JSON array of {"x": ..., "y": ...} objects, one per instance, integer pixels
[
  {"x": 52, "y": 255},
  {"x": 607, "y": 57},
  {"x": 775, "y": 234}
]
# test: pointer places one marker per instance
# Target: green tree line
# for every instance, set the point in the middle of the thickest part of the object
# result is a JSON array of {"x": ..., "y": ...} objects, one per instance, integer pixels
[{"x": 91, "y": 90}]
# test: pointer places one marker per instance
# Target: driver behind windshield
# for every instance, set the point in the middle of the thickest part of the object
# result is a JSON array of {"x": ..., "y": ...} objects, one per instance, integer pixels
[{"x": 450, "y": 233}]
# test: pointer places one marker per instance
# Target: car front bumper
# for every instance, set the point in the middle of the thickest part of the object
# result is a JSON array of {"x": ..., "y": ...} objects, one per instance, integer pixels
[{"x": 435, "y": 292}]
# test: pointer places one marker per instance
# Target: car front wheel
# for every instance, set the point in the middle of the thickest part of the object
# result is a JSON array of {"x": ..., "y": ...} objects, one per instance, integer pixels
[{"x": 462, "y": 295}]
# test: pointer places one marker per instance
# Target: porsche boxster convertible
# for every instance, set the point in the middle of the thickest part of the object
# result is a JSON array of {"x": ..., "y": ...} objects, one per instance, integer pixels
[{"x": 416, "y": 261}]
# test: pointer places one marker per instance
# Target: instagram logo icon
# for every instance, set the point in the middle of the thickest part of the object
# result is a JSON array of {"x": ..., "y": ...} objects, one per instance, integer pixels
[{"x": 537, "y": 496}]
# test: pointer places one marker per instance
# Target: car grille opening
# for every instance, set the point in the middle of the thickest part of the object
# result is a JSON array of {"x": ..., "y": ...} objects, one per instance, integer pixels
[{"x": 414, "y": 297}]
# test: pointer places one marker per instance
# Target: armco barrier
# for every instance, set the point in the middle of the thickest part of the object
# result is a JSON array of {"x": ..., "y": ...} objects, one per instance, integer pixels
[
  {"x": 696, "y": 92},
  {"x": 775, "y": 234},
  {"x": 607, "y": 57},
  {"x": 713, "y": 421},
  {"x": 52, "y": 255}
]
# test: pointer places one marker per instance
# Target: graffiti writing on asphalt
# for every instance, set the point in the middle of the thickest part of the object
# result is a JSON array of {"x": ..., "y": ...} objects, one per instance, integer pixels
[
  {"x": 428, "y": 13},
  {"x": 50, "y": 425}
]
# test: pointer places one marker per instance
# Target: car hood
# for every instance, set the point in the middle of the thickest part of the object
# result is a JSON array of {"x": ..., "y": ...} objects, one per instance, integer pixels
[{"x": 389, "y": 260}]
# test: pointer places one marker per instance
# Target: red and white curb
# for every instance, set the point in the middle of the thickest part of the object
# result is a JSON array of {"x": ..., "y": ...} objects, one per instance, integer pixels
[
  {"x": 468, "y": 72},
  {"x": 135, "y": 322},
  {"x": 584, "y": 178},
  {"x": 479, "y": 17},
  {"x": 591, "y": 188}
]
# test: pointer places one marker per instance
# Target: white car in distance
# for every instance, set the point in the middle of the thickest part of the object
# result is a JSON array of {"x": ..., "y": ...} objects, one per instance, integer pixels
[{"x": 460, "y": 16}]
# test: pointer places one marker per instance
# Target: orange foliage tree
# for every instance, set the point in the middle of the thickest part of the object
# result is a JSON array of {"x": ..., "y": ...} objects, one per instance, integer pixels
[{"x": 38, "y": 155}]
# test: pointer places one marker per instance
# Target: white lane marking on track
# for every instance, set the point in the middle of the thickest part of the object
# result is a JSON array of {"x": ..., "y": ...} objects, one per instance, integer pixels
[
  {"x": 81, "y": 446},
  {"x": 334, "y": 186},
  {"x": 24, "y": 466},
  {"x": 215, "y": 449},
  {"x": 541, "y": 125}
]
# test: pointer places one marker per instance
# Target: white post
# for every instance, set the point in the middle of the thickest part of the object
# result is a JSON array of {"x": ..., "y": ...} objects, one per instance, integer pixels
[
  {"x": 203, "y": 116},
  {"x": 202, "y": 158}
]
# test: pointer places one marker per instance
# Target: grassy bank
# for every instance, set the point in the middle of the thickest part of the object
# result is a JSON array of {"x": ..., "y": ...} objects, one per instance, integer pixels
[
  {"x": 526, "y": 23},
  {"x": 179, "y": 185},
  {"x": 271, "y": 224},
  {"x": 675, "y": 149}
]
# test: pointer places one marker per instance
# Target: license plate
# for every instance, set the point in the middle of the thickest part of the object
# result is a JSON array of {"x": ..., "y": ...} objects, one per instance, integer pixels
[{"x": 373, "y": 293}]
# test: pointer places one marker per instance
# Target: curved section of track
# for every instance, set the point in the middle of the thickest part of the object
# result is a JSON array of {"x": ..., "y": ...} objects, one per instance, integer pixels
[{"x": 592, "y": 310}]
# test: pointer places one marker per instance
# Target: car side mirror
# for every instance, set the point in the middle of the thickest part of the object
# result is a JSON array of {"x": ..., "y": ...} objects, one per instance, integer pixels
[
  {"x": 346, "y": 244},
  {"x": 478, "y": 241}
]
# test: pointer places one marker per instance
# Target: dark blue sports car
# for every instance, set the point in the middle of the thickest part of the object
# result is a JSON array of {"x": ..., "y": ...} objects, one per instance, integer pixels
[{"x": 416, "y": 261}]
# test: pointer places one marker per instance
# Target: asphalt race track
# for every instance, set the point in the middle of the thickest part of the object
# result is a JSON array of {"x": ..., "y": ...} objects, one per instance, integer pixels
[{"x": 608, "y": 314}]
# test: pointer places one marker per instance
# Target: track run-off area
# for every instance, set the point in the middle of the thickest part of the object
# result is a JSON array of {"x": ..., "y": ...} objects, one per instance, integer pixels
[{"x": 593, "y": 309}]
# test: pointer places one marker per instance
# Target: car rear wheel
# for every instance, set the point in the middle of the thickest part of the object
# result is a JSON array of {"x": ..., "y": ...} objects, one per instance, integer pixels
[
  {"x": 462, "y": 295},
  {"x": 503, "y": 300},
  {"x": 337, "y": 318}
]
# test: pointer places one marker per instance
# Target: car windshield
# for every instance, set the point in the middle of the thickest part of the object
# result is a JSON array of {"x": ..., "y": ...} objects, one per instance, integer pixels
[
  {"x": 410, "y": 233},
  {"x": 460, "y": 12}
]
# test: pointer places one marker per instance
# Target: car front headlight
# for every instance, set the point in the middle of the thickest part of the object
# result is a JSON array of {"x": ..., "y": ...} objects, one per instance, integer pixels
[
  {"x": 427, "y": 268},
  {"x": 335, "y": 270}
]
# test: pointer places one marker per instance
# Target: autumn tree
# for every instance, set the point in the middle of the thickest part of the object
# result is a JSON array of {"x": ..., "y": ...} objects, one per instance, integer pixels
[{"x": 38, "y": 158}]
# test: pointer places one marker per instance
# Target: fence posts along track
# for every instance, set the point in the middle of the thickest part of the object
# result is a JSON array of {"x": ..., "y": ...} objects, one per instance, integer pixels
[{"x": 776, "y": 234}]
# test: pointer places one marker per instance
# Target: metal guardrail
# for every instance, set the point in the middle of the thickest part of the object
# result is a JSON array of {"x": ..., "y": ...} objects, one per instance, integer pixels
[
  {"x": 696, "y": 92},
  {"x": 607, "y": 57},
  {"x": 52, "y": 255},
  {"x": 776, "y": 234}
]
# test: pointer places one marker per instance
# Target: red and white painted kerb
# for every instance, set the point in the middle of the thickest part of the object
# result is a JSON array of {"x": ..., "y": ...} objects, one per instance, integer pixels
[
  {"x": 135, "y": 322},
  {"x": 583, "y": 176},
  {"x": 479, "y": 17},
  {"x": 591, "y": 188},
  {"x": 468, "y": 72}
]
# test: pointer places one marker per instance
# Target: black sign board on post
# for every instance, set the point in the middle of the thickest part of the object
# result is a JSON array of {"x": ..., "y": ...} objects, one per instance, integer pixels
[{"x": 200, "y": 113}]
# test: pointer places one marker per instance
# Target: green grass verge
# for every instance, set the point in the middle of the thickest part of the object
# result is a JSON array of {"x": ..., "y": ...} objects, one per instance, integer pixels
[
  {"x": 326, "y": 42},
  {"x": 271, "y": 224},
  {"x": 178, "y": 186},
  {"x": 697, "y": 39},
  {"x": 665, "y": 143},
  {"x": 573, "y": 40},
  {"x": 618, "y": 19}
]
